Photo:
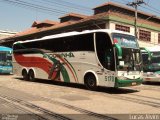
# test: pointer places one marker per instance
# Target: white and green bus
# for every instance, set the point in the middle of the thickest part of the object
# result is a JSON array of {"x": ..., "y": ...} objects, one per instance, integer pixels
[
  {"x": 92, "y": 57},
  {"x": 151, "y": 63}
]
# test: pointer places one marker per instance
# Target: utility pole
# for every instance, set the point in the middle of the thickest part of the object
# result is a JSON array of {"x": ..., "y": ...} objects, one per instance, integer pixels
[{"x": 135, "y": 5}]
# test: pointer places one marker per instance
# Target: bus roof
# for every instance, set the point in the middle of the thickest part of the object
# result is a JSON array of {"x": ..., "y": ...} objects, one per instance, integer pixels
[
  {"x": 3, "y": 48},
  {"x": 74, "y": 33}
]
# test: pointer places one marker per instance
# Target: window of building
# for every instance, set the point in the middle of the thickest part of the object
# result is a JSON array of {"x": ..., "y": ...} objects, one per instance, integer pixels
[
  {"x": 145, "y": 35},
  {"x": 122, "y": 28},
  {"x": 158, "y": 37}
]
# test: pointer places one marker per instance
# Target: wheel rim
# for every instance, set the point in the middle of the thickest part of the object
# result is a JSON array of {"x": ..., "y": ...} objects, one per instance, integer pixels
[{"x": 91, "y": 82}]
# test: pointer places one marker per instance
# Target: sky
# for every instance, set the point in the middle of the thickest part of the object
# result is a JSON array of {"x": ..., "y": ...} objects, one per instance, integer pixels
[{"x": 18, "y": 15}]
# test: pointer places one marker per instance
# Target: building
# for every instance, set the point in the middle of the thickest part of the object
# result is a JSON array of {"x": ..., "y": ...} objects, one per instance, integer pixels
[
  {"x": 6, "y": 34},
  {"x": 109, "y": 15}
]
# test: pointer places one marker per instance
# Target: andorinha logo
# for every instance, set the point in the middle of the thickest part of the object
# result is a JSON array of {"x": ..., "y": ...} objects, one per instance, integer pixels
[
  {"x": 64, "y": 55},
  {"x": 70, "y": 54}
]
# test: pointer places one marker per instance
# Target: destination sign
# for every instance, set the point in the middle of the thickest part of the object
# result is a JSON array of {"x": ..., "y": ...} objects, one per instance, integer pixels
[{"x": 126, "y": 41}]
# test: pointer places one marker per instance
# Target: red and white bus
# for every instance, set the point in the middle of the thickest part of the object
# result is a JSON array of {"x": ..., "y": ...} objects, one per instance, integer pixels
[{"x": 92, "y": 57}]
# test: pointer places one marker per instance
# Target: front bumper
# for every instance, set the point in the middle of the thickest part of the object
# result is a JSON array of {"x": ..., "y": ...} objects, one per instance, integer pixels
[
  {"x": 128, "y": 82},
  {"x": 6, "y": 70},
  {"x": 151, "y": 79}
]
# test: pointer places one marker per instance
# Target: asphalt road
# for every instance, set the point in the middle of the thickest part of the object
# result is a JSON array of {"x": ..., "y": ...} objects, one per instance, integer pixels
[{"x": 52, "y": 100}]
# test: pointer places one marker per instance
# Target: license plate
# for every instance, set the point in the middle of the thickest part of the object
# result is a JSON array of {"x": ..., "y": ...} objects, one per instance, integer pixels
[{"x": 134, "y": 83}]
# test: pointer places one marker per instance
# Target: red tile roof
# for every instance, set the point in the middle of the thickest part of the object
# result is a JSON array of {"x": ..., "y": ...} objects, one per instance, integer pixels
[
  {"x": 74, "y": 15},
  {"x": 35, "y": 29},
  {"x": 27, "y": 31},
  {"x": 122, "y": 6},
  {"x": 49, "y": 22}
]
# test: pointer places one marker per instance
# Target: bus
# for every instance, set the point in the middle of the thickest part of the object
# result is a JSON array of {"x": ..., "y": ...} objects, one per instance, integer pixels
[
  {"x": 5, "y": 60},
  {"x": 151, "y": 63},
  {"x": 102, "y": 57}
]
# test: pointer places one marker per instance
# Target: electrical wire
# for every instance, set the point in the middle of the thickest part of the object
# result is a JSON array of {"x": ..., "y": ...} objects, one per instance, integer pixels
[
  {"x": 154, "y": 11},
  {"x": 34, "y": 6},
  {"x": 119, "y": 2},
  {"x": 148, "y": 1},
  {"x": 42, "y": 7},
  {"x": 153, "y": 8},
  {"x": 73, "y": 5},
  {"x": 68, "y": 8},
  {"x": 150, "y": 8},
  {"x": 39, "y": 6}
]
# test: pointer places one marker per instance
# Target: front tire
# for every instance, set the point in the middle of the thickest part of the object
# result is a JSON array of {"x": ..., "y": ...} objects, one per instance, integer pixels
[{"x": 90, "y": 82}]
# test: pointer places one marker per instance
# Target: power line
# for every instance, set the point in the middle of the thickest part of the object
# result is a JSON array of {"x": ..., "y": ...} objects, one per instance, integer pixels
[
  {"x": 157, "y": 10},
  {"x": 119, "y": 2},
  {"x": 148, "y": 1},
  {"x": 42, "y": 7},
  {"x": 125, "y": 1},
  {"x": 63, "y": 6},
  {"x": 73, "y": 5},
  {"x": 150, "y": 10},
  {"x": 34, "y": 6}
]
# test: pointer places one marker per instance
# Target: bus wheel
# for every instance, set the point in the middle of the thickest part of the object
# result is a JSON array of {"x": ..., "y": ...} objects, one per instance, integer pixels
[
  {"x": 25, "y": 75},
  {"x": 90, "y": 82},
  {"x": 31, "y": 75}
]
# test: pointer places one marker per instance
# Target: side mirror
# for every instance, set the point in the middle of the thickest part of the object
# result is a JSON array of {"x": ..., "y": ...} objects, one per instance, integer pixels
[
  {"x": 119, "y": 50},
  {"x": 149, "y": 53}
]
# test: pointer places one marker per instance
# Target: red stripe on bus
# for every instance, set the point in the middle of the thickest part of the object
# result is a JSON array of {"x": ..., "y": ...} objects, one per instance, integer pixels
[{"x": 35, "y": 62}]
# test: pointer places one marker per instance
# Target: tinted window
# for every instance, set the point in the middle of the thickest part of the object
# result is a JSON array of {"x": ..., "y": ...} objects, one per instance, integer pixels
[
  {"x": 105, "y": 51},
  {"x": 72, "y": 43}
]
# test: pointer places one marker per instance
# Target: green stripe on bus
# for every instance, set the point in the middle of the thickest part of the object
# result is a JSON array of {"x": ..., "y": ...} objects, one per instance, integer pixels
[{"x": 72, "y": 69}]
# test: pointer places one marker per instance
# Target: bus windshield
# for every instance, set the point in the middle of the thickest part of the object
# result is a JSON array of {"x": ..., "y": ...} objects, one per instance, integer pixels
[
  {"x": 153, "y": 64},
  {"x": 131, "y": 57},
  {"x": 131, "y": 60},
  {"x": 155, "y": 57},
  {"x": 5, "y": 58}
]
